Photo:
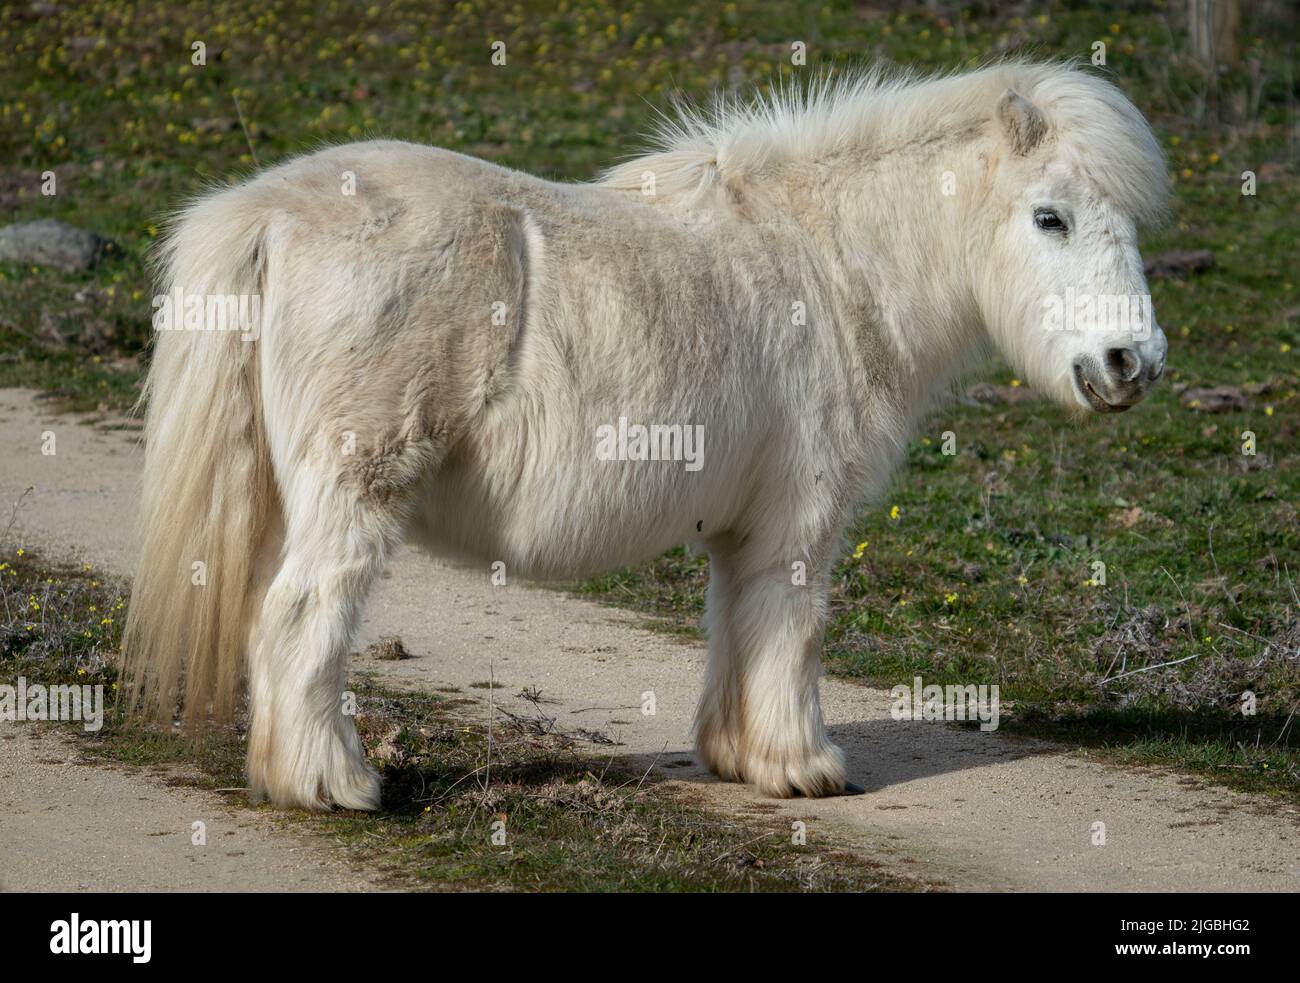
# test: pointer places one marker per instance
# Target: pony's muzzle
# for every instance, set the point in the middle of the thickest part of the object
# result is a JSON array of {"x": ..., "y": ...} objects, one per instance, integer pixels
[{"x": 1122, "y": 376}]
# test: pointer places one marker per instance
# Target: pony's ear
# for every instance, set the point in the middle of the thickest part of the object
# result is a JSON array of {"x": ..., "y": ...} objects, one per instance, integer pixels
[{"x": 1022, "y": 120}]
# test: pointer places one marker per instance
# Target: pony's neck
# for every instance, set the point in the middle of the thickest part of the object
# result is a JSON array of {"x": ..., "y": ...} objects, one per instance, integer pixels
[{"x": 894, "y": 230}]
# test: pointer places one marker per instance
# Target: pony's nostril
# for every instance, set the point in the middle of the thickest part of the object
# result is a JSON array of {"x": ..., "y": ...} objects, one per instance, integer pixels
[
  {"x": 1123, "y": 364},
  {"x": 1156, "y": 370}
]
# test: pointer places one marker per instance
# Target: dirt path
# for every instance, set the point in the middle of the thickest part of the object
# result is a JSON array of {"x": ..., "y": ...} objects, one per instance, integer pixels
[
  {"x": 69, "y": 826},
  {"x": 970, "y": 810}
]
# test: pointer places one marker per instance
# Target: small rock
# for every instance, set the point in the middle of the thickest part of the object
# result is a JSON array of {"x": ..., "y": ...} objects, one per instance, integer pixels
[
  {"x": 1216, "y": 399},
  {"x": 49, "y": 242},
  {"x": 389, "y": 649},
  {"x": 1179, "y": 263}
]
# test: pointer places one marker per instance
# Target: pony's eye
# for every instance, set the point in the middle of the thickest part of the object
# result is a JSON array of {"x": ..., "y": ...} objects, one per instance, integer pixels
[{"x": 1049, "y": 221}]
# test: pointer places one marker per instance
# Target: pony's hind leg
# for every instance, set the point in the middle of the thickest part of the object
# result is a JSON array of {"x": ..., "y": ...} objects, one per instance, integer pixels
[
  {"x": 303, "y": 745},
  {"x": 379, "y": 360}
]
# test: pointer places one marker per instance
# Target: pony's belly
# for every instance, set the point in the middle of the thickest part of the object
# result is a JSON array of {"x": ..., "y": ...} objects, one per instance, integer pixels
[
  {"x": 565, "y": 528},
  {"x": 565, "y": 484}
]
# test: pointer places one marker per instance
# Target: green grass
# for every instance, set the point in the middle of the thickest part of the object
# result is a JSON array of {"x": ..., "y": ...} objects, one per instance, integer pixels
[{"x": 984, "y": 574}]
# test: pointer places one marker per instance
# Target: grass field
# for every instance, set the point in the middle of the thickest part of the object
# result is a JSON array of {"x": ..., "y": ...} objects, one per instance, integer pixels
[{"x": 978, "y": 566}]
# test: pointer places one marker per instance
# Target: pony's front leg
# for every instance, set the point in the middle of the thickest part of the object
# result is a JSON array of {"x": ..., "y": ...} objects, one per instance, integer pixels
[
  {"x": 777, "y": 622},
  {"x": 717, "y": 720}
]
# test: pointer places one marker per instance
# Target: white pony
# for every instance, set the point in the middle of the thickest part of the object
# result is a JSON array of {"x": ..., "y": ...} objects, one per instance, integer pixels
[{"x": 455, "y": 354}]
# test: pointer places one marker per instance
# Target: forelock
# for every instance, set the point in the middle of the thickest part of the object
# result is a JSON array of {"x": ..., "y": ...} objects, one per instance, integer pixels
[{"x": 1101, "y": 134}]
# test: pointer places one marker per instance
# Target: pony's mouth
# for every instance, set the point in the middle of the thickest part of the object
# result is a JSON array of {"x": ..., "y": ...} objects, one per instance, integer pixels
[{"x": 1094, "y": 398}]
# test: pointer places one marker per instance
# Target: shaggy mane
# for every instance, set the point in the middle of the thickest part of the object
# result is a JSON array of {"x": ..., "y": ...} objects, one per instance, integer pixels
[{"x": 1094, "y": 123}]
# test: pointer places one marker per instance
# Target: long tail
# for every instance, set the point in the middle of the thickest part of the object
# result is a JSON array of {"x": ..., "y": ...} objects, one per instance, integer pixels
[{"x": 209, "y": 490}]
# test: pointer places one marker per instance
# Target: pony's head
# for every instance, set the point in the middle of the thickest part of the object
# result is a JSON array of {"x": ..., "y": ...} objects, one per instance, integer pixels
[{"x": 1073, "y": 172}]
